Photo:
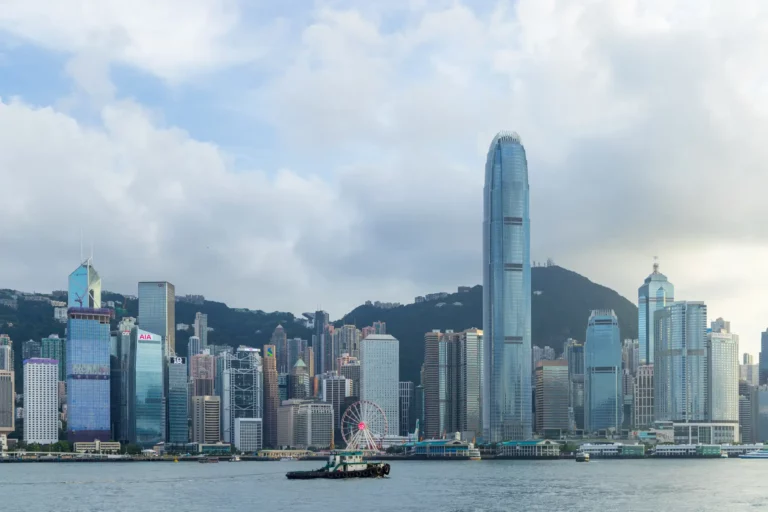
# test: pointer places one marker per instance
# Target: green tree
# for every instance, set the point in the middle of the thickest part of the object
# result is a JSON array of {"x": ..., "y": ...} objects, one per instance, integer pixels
[{"x": 133, "y": 449}]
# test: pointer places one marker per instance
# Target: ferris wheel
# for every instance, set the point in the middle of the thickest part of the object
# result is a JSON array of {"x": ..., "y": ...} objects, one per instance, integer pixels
[{"x": 364, "y": 426}]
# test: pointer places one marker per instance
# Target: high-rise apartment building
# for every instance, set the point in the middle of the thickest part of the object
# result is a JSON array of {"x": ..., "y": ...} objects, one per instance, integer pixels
[
  {"x": 54, "y": 347},
  {"x": 31, "y": 349},
  {"x": 206, "y": 419},
  {"x": 202, "y": 372},
  {"x": 146, "y": 391},
  {"x": 201, "y": 329},
  {"x": 194, "y": 346},
  {"x": 6, "y": 357},
  {"x": 643, "y": 397},
  {"x": 271, "y": 395},
  {"x": 178, "y": 401},
  {"x": 157, "y": 312},
  {"x": 507, "y": 410},
  {"x": 84, "y": 287},
  {"x": 280, "y": 341},
  {"x": 552, "y": 396},
  {"x": 604, "y": 398},
  {"x": 680, "y": 371},
  {"x": 41, "y": 401},
  {"x": 242, "y": 393},
  {"x": 723, "y": 376},
  {"x": 406, "y": 407},
  {"x": 655, "y": 293},
  {"x": 88, "y": 372},
  {"x": 380, "y": 376}
]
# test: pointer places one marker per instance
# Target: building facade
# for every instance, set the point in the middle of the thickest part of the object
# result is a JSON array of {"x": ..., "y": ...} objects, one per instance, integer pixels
[
  {"x": 280, "y": 341},
  {"x": 314, "y": 425},
  {"x": 643, "y": 416},
  {"x": 242, "y": 393},
  {"x": 206, "y": 418},
  {"x": 603, "y": 400},
  {"x": 194, "y": 346},
  {"x": 655, "y": 293},
  {"x": 178, "y": 401},
  {"x": 84, "y": 289},
  {"x": 322, "y": 343},
  {"x": 202, "y": 373},
  {"x": 249, "y": 434},
  {"x": 41, "y": 401},
  {"x": 507, "y": 411},
  {"x": 271, "y": 395},
  {"x": 54, "y": 347},
  {"x": 380, "y": 376},
  {"x": 334, "y": 389},
  {"x": 723, "y": 377},
  {"x": 157, "y": 312},
  {"x": 574, "y": 353},
  {"x": 146, "y": 393},
  {"x": 406, "y": 407},
  {"x": 748, "y": 412},
  {"x": 680, "y": 370},
  {"x": 31, "y": 349},
  {"x": 763, "y": 358},
  {"x": 552, "y": 396},
  {"x": 201, "y": 329},
  {"x": 88, "y": 371},
  {"x": 7, "y": 402}
]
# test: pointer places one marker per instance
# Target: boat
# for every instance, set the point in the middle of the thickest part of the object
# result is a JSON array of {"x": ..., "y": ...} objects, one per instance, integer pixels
[
  {"x": 208, "y": 460},
  {"x": 474, "y": 454},
  {"x": 762, "y": 453},
  {"x": 344, "y": 465},
  {"x": 582, "y": 457},
  {"x": 724, "y": 455},
  {"x": 234, "y": 458}
]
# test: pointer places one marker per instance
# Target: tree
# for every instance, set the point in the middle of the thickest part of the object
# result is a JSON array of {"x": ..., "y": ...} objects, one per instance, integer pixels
[{"x": 133, "y": 449}]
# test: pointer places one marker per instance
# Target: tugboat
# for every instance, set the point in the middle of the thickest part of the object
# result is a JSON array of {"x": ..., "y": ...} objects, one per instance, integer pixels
[
  {"x": 582, "y": 457},
  {"x": 343, "y": 465}
]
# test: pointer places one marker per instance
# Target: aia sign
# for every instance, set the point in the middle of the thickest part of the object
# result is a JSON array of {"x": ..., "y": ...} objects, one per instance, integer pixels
[{"x": 145, "y": 336}]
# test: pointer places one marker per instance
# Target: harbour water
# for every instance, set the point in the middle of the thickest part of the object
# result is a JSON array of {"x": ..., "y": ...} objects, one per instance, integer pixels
[{"x": 602, "y": 485}]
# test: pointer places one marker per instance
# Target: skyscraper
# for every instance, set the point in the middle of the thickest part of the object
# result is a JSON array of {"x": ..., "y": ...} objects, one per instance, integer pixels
[
  {"x": 723, "y": 377},
  {"x": 84, "y": 287},
  {"x": 201, "y": 329},
  {"x": 680, "y": 371},
  {"x": 88, "y": 371},
  {"x": 379, "y": 327},
  {"x": 280, "y": 341},
  {"x": 655, "y": 293},
  {"x": 242, "y": 393},
  {"x": 206, "y": 419},
  {"x": 296, "y": 350},
  {"x": 380, "y": 376},
  {"x": 146, "y": 393},
  {"x": 333, "y": 390},
  {"x": 323, "y": 346},
  {"x": 574, "y": 353},
  {"x": 643, "y": 399},
  {"x": 6, "y": 357},
  {"x": 157, "y": 312},
  {"x": 202, "y": 372},
  {"x": 54, "y": 347},
  {"x": 7, "y": 398},
  {"x": 194, "y": 346},
  {"x": 31, "y": 349},
  {"x": 444, "y": 384},
  {"x": 604, "y": 400},
  {"x": 472, "y": 340},
  {"x": 552, "y": 396},
  {"x": 507, "y": 411},
  {"x": 41, "y": 401},
  {"x": 763, "y": 358},
  {"x": 406, "y": 407},
  {"x": 178, "y": 413},
  {"x": 271, "y": 396}
]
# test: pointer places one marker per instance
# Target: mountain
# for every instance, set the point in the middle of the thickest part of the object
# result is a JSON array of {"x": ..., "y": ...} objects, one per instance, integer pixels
[{"x": 562, "y": 301}]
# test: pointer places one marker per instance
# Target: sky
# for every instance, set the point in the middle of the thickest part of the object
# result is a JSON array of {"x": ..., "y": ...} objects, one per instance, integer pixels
[{"x": 301, "y": 154}]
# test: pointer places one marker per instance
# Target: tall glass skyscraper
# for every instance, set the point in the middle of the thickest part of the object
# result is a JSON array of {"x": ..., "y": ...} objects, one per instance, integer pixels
[
  {"x": 146, "y": 399},
  {"x": 178, "y": 428},
  {"x": 242, "y": 389},
  {"x": 680, "y": 370},
  {"x": 763, "y": 360},
  {"x": 655, "y": 294},
  {"x": 603, "y": 395},
  {"x": 507, "y": 411},
  {"x": 88, "y": 369},
  {"x": 723, "y": 377},
  {"x": 157, "y": 312},
  {"x": 84, "y": 287}
]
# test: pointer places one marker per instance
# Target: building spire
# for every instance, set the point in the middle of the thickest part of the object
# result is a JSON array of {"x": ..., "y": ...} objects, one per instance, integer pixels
[{"x": 655, "y": 264}]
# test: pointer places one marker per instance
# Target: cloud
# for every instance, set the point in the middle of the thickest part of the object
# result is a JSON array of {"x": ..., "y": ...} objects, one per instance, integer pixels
[{"x": 642, "y": 121}]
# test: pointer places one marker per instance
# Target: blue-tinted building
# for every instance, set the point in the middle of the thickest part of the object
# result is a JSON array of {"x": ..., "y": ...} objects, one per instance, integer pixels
[
  {"x": 88, "y": 370},
  {"x": 84, "y": 287},
  {"x": 146, "y": 399},
  {"x": 763, "y": 361},
  {"x": 507, "y": 411},
  {"x": 655, "y": 294},
  {"x": 157, "y": 311},
  {"x": 603, "y": 394},
  {"x": 178, "y": 427}
]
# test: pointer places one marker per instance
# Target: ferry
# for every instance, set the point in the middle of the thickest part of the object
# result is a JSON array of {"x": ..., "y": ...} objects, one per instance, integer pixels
[
  {"x": 757, "y": 454},
  {"x": 234, "y": 458},
  {"x": 474, "y": 454},
  {"x": 344, "y": 465},
  {"x": 208, "y": 460},
  {"x": 582, "y": 457}
]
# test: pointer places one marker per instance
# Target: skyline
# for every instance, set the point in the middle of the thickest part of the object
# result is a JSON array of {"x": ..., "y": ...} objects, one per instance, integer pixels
[{"x": 185, "y": 155}]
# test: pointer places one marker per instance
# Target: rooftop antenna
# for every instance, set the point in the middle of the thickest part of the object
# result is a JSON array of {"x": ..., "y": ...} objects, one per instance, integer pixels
[{"x": 655, "y": 264}]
